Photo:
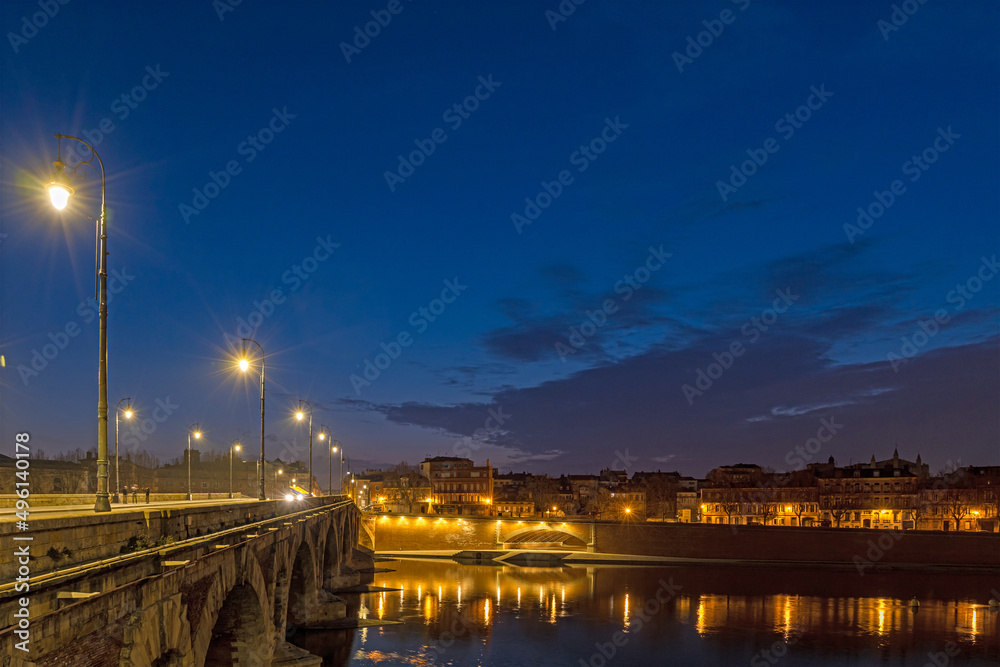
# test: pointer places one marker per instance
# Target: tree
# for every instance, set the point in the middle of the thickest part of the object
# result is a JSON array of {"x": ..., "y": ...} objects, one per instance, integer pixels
[
  {"x": 730, "y": 500},
  {"x": 838, "y": 508},
  {"x": 766, "y": 510},
  {"x": 799, "y": 509},
  {"x": 955, "y": 503},
  {"x": 407, "y": 488},
  {"x": 541, "y": 489},
  {"x": 599, "y": 504},
  {"x": 661, "y": 496}
]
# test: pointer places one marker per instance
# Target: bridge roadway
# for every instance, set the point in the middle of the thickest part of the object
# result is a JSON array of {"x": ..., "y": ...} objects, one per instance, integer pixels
[{"x": 221, "y": 587}]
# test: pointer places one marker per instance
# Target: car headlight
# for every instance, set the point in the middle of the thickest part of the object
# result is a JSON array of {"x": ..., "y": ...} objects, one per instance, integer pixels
[{"x": 289, "y": 496}]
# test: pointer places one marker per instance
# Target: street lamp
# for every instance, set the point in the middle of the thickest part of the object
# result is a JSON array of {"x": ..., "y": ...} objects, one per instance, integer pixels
[
  {"x": 234, "y": 446},
  {"x": 277, "y": 491},
  {"x": 59, "y": 193},
  {"x": 244, "y": 366},
  {"x": 192, "y": 429},
  {"x": 300, "y": 416},
  {"x": 128, "y": 415},
  {"x": 340, "y": 480},
  {"x": 331, "y": 448}
]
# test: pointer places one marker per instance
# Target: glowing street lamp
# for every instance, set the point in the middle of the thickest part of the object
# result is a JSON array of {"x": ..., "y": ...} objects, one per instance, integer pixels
[
  {"x": 244, "y": 364},
  {"x": 332, "y": 448},
  {"x": 235, "y": 446},
  {"x": 60, "y": 191},
  {"x": 300, "y": 415},
  {"x": 128, "y": 415},
  {"x": 192, "y": 430}
]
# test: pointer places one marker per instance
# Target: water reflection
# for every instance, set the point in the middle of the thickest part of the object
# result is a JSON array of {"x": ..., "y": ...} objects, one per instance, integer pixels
[{"x": 497, "y": 615}]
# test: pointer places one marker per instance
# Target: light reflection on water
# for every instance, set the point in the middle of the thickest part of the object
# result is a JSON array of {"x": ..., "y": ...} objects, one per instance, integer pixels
[{"x": 486, "y": 615}]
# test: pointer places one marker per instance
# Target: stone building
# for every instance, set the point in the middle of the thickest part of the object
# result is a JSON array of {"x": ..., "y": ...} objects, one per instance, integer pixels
[
  {"x": 45, "y": 477},
  {"x": 458, "y": 486}
]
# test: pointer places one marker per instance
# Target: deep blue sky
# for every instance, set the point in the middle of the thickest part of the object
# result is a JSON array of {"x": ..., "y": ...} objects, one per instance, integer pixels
[{"x": 886, "y": 96}]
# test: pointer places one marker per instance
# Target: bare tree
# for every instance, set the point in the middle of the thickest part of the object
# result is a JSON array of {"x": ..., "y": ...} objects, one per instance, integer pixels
[
  {"x": 602, "y": 504},
  {"x": 730, "y": 500},
  {"x": 661, "y": 497},
  {"x": 541, "y": 489},
  {"x": 799, "y": 509},
  {"x": 955, "y": 503},
  {"x": 839, "y": 508},
  {"x": 766, "y": 511}
]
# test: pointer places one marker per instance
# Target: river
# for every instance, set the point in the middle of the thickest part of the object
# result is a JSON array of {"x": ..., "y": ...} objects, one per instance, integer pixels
[{"x": 598, "y": 615}]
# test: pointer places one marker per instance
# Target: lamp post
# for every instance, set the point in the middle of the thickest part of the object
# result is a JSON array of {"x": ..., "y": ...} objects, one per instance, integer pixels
[
  {"x": 300, "y": 416},
  {"x": 340, "y": 480},
  {"x": 276, "y": 489},
  {"x": 59, "y": 194},
  {"x": 235, "y": 446},
  {"x": 331, "y": 449},
  {"x": 128, "y": 415},
  {"x": 193, "y": 428},
  {"x": 244, "y": 365}
]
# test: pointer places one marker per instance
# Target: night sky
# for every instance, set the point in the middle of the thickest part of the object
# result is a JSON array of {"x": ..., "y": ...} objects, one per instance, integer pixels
[{"x": 625, "y": 236}]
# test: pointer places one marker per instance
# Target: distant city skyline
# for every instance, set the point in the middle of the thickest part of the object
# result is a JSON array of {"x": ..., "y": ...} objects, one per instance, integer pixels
[{"x": 671, "y": 234}]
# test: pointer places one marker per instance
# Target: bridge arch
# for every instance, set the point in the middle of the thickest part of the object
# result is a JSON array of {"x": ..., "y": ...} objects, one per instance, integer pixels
[
  {"x": 347, "y": 529},
  {"x": 167, "y": 646},
  {"x": 331, "y": 557},
  {"x": 235, "y": 627},
  {"x": 240, "y": 630},
  {"x": 556, "y": 536},
  {"x": 280, "y": 608},
  {"x": 366, "y": 535},
  {"x": 302, "y": 585}
]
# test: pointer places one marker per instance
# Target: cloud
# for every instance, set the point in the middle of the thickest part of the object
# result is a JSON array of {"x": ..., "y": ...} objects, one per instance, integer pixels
[{"x": 638, "y": 403}]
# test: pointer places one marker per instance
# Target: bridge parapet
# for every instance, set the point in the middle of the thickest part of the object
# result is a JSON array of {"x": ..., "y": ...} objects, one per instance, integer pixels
[
  {"x": 198, "y": 601},
  {"x": 85, "y": 538}
]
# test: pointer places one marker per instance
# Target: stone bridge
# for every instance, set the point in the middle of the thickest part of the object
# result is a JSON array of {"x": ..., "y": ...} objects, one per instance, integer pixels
[{"x": 225, "y": 596}]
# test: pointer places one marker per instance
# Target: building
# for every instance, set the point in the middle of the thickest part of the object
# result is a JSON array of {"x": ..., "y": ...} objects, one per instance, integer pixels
[
  {"x": 878, "y": 494},
  {"x": 407, "y": 493},
  {"x": 688, "y": 507},
  {"x": 46, "y": 476},
  {"x": 765, "y": 505},
  {"x": 458, "y": 486},
  {"x": 508, "y": 503},
  {"x": 738, "y": 475}
]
